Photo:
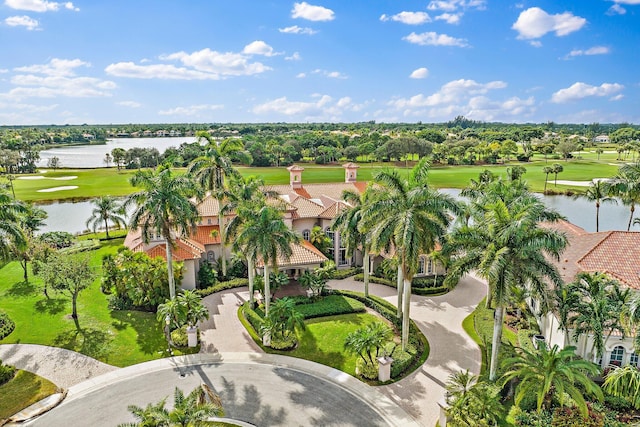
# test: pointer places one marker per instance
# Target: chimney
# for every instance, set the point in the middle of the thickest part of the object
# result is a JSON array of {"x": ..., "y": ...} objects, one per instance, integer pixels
[
  {"x": 295, "y": 176},
  {"x": 350, "y": 172}
]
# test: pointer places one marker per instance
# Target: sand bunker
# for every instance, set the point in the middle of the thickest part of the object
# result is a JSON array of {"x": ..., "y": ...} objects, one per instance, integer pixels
[
  {"x": 32, "y": 177},
  {"x": 52, "y": 189},
  {"x": 65, "y": 178},
  {"x": 576, "y": 183}
]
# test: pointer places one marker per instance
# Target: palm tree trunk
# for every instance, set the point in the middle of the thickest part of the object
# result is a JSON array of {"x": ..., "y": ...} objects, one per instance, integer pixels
[
  {"x": 597, "y": 217},
  {"x": 365, "y": 262},
  {"x": 106, "y": 227},
  {"x": 546, "y": 178},
  {"x": 267, "y": 290},
  {"x": 405, "y": 315},
  {"x": 251, "y": 273},
  {"x": 633, "y": 208},
  {"x": 172, "y": 284},
  {"x": 400, "y": 290},
  {"x": 223, "y": 255},
  {"x": 498, "y": 319}
]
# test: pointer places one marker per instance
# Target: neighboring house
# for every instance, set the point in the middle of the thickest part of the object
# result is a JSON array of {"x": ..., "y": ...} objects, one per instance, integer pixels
[
  {"x": 601, "y": 138},
  {"x": 615, "y": 253}
]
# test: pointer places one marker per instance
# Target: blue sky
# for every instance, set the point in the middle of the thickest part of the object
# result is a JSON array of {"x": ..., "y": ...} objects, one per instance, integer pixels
[{"x": 122, "y": 61}]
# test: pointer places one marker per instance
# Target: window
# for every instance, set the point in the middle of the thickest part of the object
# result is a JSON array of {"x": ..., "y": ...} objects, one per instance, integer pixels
[
  {"x": 616, "y": 355},
  {"x": 421, "y": 265},
  {"x": 331, "y": 235},
  {"x": 208, "y": 221},
  {"x": 211, "y": 256},
  {"x": 633, "y": 360},
  {"x": 343, "y": 259},
  {"x": 306, "y": 235},
  {"x": 430, "y": 267}
]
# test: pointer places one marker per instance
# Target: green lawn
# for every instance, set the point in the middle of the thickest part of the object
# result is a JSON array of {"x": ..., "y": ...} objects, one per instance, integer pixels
[
  {"x": 23, "y": 390},
  {"x": 96, "y": 182},
  {"x": 324, "y": 337},
  {"x": 120, "y": 338}
]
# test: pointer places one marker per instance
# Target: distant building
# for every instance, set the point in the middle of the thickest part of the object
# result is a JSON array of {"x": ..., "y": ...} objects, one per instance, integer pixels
[{"x": 601, "y": 138}]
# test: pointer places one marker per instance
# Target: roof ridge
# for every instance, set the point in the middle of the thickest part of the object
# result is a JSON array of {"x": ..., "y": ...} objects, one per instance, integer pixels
[{"x": 607, "y": 234}]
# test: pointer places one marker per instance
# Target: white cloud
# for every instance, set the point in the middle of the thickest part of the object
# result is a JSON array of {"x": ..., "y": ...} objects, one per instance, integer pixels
[
  {"x": 22, "y": 21},
  {"x": 323, "y": 107},
  {"x": 617, "y": 97},
  {"x": 449, "y": 18},
  {"x": 301, "y": 75},
  {"x": 330, "y": 74},
  {"x": 595, "y": 50},
  {"x": 157, "y": 71},
  {"x": 297, "y": 30},
  {"x": 55, "y": 67},
  {"x": 258, "y": 47},
  {"x": 130, "y": 104},
  {"x": 193, "y": 110},
  {"x": 616, "y": 9},
  {"x": 39, "y": 5},
  {"x": 630, "y": 2},
  {"x": 409, "y": 18},
  {"x": 294, "y": 57},
  {"x": 312, "y": 13},
  {"x": 3, "y": 71},
  {"x": 434, "y": 39},
  {"x": 463, "y": 97},
  {"x": 452, "y": 5},
  {"x": 534, "y": 23},
  {"x": 204, "y": 64},
  {"x": 420, "y": 73},
  {"x": 581, "y": 90}
]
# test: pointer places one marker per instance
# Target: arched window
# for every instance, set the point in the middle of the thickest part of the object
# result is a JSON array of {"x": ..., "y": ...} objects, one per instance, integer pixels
[
  {"x": 211, "y": 256},
  {"x": 306, "y": 235},
  {"x": 421, "y": 265},
  {"x": 617, "y": 355}
]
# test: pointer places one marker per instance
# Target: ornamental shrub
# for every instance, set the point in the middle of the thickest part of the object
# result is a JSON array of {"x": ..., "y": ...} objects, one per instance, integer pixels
[
  {"x": 7, "y": 373},
  {"x": 6, "y": 325}
]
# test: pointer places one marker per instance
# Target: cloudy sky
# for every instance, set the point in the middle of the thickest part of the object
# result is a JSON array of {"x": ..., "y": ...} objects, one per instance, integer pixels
[{"x": 142, "y": 61}]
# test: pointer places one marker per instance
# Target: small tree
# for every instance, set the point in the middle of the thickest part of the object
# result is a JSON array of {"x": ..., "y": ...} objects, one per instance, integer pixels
[
  {"x": 366, "y": 342},
  {"x": 284, "y": 319},
  {"x": 320, "y": 240},
  {"x": 68, "y": 274},
  {"x": 546, "y": 170},
  {"x": 54, "y": 163},
  {"x": 556, "y": 169}
]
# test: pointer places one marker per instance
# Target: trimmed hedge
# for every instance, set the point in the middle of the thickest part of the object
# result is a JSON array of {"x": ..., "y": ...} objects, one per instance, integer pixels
[
  {"x": 330, "y": 306},
  {"x": 418, "y": 285},
  {"x": 6, "y": 325},
  {"x": 343, "y": 274},
  {"x": 221, "y": 286},
  {"x": 81, "y": 246},
  {"x": 7, "y": 372}
]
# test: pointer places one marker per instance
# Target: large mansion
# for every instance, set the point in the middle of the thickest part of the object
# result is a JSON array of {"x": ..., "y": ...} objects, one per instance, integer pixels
[{"x": 306, "y": 206}]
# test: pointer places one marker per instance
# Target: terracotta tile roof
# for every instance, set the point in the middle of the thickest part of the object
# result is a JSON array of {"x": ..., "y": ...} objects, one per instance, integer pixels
[
  {"x": 302, "y": 254},
  {"x": 133, "y": 241},
  {"x": 350, "y": 165},
  {"x": 295, "y": 168},
  {"x": 209, "y": 206},
  {"x": 306, "y": 208},
  {"x": 184, "y": 250},
  {"x": 616, "y": 253},
  {"x": 203, "y": 234},
  {"x": 302, "y": 192},
  {"x": 333, "y": 210},
  {"x": 331, "y": 189}
]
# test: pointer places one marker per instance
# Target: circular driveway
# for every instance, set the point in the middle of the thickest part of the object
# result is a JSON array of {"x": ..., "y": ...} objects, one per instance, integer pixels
[{"x": 264, "y": 390}]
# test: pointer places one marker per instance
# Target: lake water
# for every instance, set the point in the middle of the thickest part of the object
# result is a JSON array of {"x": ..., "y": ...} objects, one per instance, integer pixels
[
  {"x": 92, "y": 156},
  {"x": 71, "y": 217}
]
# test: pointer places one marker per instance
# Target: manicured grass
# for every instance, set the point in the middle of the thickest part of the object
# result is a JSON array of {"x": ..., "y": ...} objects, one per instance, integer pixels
[
  {"x": 120, "y": 338},
  {"x": 97, "y": 182},
  {"x": 323, "y": 340},
  {"x": 22, "y": 391}
]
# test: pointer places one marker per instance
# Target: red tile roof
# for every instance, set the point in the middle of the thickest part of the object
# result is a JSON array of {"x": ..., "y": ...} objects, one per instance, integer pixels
[
  {"x": 207, "y": 234},
  {"x": 184, "y": 250}
]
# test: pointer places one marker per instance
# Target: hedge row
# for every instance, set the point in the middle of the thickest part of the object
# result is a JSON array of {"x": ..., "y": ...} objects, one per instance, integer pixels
[
  {"x": 6, "y": 325},
  {"x": 343, "y": 274},
  {"x": 418, "y": 285},
  {"x": 221, "y": 286},
  {"x": 82, "y": 246},
  {"x": 330, "y": 306}
]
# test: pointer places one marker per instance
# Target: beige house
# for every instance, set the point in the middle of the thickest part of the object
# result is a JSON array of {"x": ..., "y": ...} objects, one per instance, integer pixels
[{"x": 615, "y": 253}]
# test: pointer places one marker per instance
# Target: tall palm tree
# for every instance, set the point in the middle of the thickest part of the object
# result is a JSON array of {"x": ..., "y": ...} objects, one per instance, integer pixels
[
  {"x": 406, "y": 217},
  {"x": 211, "y": 170},
  {"x": 548, "y": 373},
  {"x": 163, "y": 207},
  {"x": 246, "y": 195},
  {"x": 107, "y": 210},
  {"x": 596, "y": 305},
  {"x": 347, "y": 223},
  {"x": 264, "y": 234},
  {"x": 626, "y": 185},
  {"x": 507, "y": 247},
  {"x": 598, "y": 192},
  {"x": 546, "y": 171},
  {"x": 10, "y": 231}
]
